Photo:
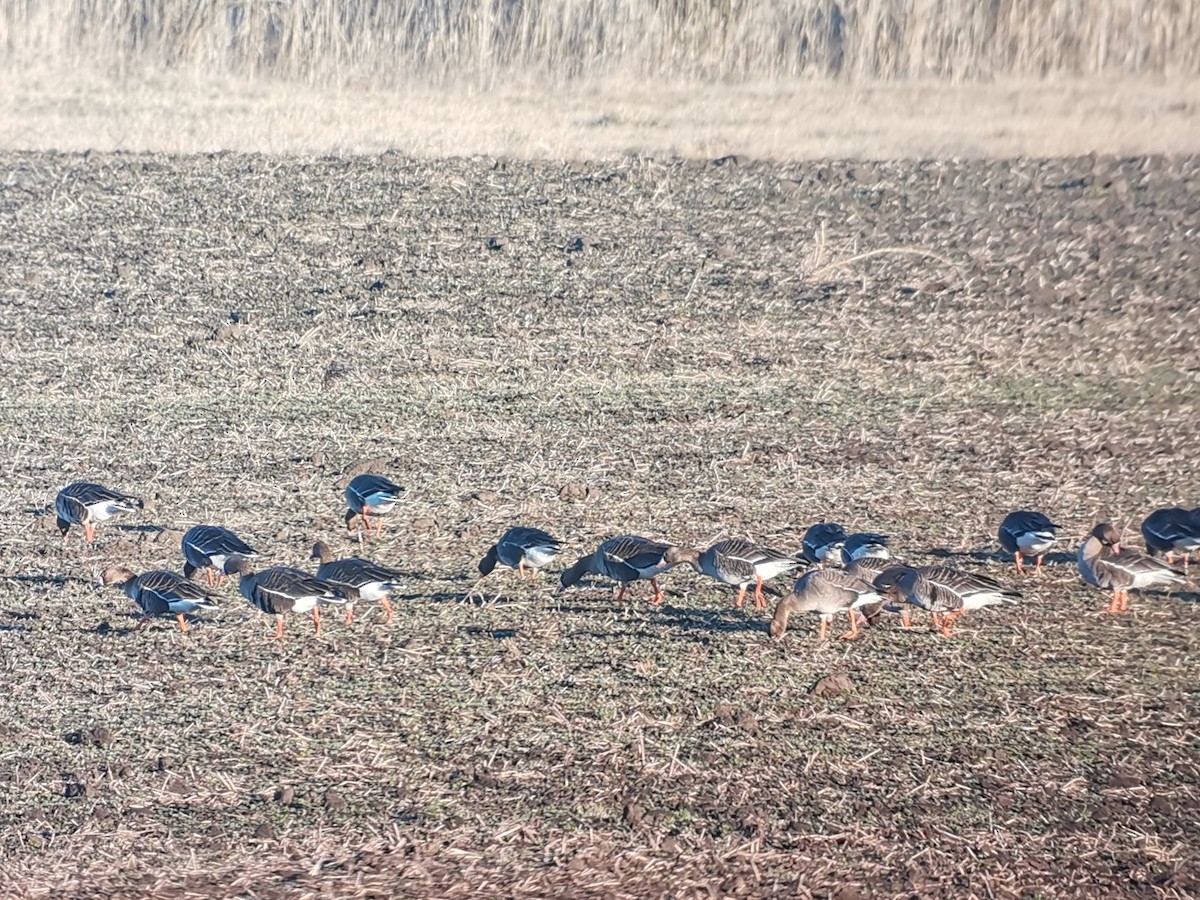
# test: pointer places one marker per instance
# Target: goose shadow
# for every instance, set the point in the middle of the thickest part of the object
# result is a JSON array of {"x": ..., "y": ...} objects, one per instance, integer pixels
[
  {"x": 710, "y": 620},
  {"x": 999, "y": 556}
]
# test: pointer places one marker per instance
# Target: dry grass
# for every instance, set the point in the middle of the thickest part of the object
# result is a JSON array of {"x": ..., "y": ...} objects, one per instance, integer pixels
[
  {"x": 661, "y": 333},
  {"x": 486, "y": 43}
]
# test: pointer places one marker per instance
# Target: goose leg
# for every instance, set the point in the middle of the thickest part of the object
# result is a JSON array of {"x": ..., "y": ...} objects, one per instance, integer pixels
[
  {"x": 1037, "y": 570},
  {"x": 316, "y": 617},
  {"x": 905, "y": 618},
  {"x": 387, "y": 606},
  {"x": 853, "y": 632},
  {"x": 760, "y": 602},
  {"x": 1114, "y": 605},
  {"x": 183, "y": 625},
  {"x": 349, "y": 613},
  {"x": 937, "y": 623},
  {"x": 208, "y": 575},
  {"x": 1020, "y": 563},
  {"x": 741, "y": 599},
  {"x": 89, "y": 531},
  {"x": 521, "y": 569},
  {"x": 279, "y": 628},
  {"x": 621, "y": 593},
  {"x": 822, "y": 633},
  {"x": 658, "y": 593},
  {"x": 142, "y": 623}
]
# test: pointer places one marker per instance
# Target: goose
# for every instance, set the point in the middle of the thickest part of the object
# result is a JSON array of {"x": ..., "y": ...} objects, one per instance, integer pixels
[
  {"x": 357, "y": 579},
  {"x": 521, "y": 548},
  {"x": 625, "y": 559},
  {"x": 863, "y": 544},
  {"x": 946, "y": 593},
  {"x": 159, "y": 593},
  {"x": 1103, "y": 564},
  {"x": 280, "y": 590},
  {"x": 207, "y": 547},
  {"x": 828, "y": 592},
  {"x": 1172, "y": 530},
  {"x": 823, "y": 540},
  {"x": 85, "y": 503},
  {"x": 740, "y": 563},
  {"x": 1025, "y": 532},
  {"x": 370, "y": 495}
]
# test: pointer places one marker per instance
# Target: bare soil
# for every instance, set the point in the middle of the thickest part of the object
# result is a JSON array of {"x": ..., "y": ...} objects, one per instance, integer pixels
[{"x": 683, "y": 349}]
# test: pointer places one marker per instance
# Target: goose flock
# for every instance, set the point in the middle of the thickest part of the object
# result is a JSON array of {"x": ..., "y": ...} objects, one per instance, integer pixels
[{"x": 852, "y": 574}]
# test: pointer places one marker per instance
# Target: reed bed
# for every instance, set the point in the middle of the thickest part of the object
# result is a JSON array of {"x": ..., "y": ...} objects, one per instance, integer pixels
[{"x": 485, "y": 42}]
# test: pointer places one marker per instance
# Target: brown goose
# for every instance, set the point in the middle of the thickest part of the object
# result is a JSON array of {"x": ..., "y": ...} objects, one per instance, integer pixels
[
  {"x": 625, "y": 559},
  {"x": 944, "y": 592},
  {"x": 85, "y": 503},
  {"x": 159, "y": 593},
  {"x": 828, "y": 592},
  {"x": 280, "y": 590},
  {"x": 1103, "y": 564},
  {"x": 740, "y": 564},
  {"x": 357, "y": 579}
]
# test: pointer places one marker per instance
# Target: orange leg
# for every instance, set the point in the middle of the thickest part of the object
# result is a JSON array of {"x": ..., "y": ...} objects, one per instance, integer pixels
[
  {"x": 1124, "y": 601},
  {"x": 378, "y": 526},
  {"x": 949, "y": 619},
  {"x": 1037, "y": 570},
  {"x": 853, "y": 632},
  {"x": 1020, "y": 562},
  {"x": 905, "y": 618},
  {"x": 279, "y": 628},
  {"x": 521, "y": 569},
  {"x": 760, "y": 602},
  {"x": 937, "y": 623},
  {"x": 658, "y": 592},
  {"x": 387, "y": 605},
  {"x": 621, "y": 593},
  {"x": 142, "y": 623},
  {"x": 1114, "y": 605},
  {"x": 89, "y": 531},
  {"x": 741, "y": 599},
  {"x": 316, "y": 614},
  {"x": 183, "y": 625},
  {"x": 349, "y": 613},
  {"x": 822, "y": 633},
  {"x": 533, "y": 574},
  {"x": 208, "y": 575}
]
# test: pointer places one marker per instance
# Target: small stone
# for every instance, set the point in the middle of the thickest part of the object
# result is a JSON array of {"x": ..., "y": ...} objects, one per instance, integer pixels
[
  {"x": 747, "y": 722},
  {"x": 264, "y": 832},
  {"x": 77, "y": 790},
  {"x": 318, "y": 459},
  {"x": 833, "y": 686},
  {"x": 633, "y": 813},
  {"x": 485, "y": 496},
  {"x": 424, "y": 524},
  {"x": 334, "y": 801},
  {"x": 228, "y": 332},
  {"x": 98, "y": 736},
  {"x": 1123, "y": 780},
  {"x": 670, "y": 845},
  {"x": 102, "y": 813},
  {"x": 573, "y": 492},
  {"x": 284, "y": 795},
  {"x": 723, "y": 710}
]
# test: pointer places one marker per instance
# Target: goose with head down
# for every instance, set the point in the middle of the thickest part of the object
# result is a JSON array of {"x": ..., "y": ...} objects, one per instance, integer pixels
[
  {"x": 1025, "y": 532},
  {"x": 741, "y": 564},
  {"x": 943, "y": 592},
  {"x": 521, "y": 548},
  {"x": 207, "y": 547},
  {"x": 159, "y": 593},
  {"x": 1172, "y": 531},
  {"x": 823, "y": 542},
  {"x": 625, "y": 559},
  {"x": 281, "y": 590},
  {"x": 357, "y": 579},
  {"x": 86, "y": 503},
  {"x": 1104, "y": 564},
  {"x": 827, "y": 592},
  {"x": 370, "y": 495}
]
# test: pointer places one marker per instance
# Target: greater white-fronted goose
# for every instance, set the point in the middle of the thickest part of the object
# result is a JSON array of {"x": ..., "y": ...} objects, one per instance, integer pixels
[
  {"x": 159, "y": 593},
  {"x": 370, "y": 495},
  {"x": 85, "y": 503},
  {"x": 521, "y": 548},
  {"x": 1105, "y": 565},
  {"x": 823, "y": 543},
  {"x": 208, "y": 547},
  {"x": 944, "y": 592},
  {"x": 280, "y": 590},
  {"x": 1025, "y": 532},
  {"x": 625, "y": 559},
  {"x": 740, "y": 564},
  {"x": 828, "y": 592},
  {"x": 1173, "y": 531},
  {"x": 357, "y": 579}
]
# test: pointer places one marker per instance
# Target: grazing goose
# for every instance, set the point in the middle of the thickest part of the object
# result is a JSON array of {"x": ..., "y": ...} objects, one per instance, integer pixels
[
  {"x": 1027, "y": 533},
  {"x": 370, "y": 495},
  {"x": 828, "y": 592},
  {"x": 823, "y": 540},
  {"x": 868, "y": 568},
  {"x": 1170, "y": 531},
  {"x": 946, "y": 593},
  {"x": 207, "y": 547},
  {"x": 159, "y": 593},
  {"x": 1103, "y": 564},
  {"x": 523, "y": 549},
  {"x": 280, "y": 590},
  {"x": 357, "y": 579},
  {"x": 864, "y": 544},
  {"x": 84, "y": 503},
  {"x": 740, "y": 564},
  {"x": 625, "y": 559}
]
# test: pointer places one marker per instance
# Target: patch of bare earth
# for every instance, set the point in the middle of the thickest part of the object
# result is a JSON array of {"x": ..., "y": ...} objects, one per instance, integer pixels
[{"x": 682, "y": 349}]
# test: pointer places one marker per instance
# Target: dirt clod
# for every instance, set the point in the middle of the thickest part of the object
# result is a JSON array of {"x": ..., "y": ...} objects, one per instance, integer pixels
[
  {"x": 832, "y": 686},
  {"x": 334, "y": 801},
  {"x": 285, "y": 795}
]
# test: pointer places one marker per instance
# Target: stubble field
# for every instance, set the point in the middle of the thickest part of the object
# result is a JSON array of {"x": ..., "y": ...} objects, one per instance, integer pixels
[{"x": 681, "y": 349}]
